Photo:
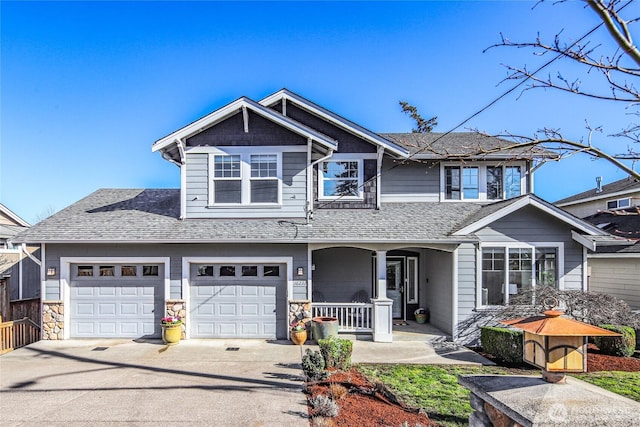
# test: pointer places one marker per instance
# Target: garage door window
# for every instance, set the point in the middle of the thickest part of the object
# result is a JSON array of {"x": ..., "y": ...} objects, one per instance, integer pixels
[
  {"x": 149, "y": 270},
  {"x": 128, "y": 271},
  {"x": 227, "y": 271},
  {"x": 271, "y": 271},
  {"x": 249, "y": 271},
  {"x": 85, "y": 270},
  {"x": 107, "y": 270},
  {"x": 205, "y": 270}
]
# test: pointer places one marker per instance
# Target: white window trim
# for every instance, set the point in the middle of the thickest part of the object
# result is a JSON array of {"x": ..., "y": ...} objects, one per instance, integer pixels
[
  {"x": 513, "y": 245},
  {"x": 245, "y": 153},
  {"x": 482, "y": 179},
  {"x": 628, "y": 199},
  {"x": 342, "y": 158}
]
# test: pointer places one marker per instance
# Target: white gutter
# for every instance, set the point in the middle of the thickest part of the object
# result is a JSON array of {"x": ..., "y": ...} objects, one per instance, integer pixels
[
  {"x": 183, "y": 178},
  {"x": 30, "y": 255},
  {"x": 378, "y": 175}
]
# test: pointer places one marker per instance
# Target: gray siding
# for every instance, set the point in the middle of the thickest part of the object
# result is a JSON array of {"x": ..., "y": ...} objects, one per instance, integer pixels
[
  {"x": 617, "y": 277},
  {"x": 294, "y": 190},
  {"x": 466, "y": 280},
  {"x": 415, "y": 181},
  {"x": 341, "y": 272},
  {"x": 174, "y": 251},
  {"x": 21, "y": 268},
  {"x": 531, "y": 225},
  {"x": 437, "y": 295}
]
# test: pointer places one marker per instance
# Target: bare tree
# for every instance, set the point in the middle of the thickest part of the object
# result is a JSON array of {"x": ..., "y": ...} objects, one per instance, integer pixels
[{"x": 617, "y": 71}]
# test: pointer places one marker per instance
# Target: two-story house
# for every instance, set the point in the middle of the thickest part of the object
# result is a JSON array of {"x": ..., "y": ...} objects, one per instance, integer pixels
[{"x": 282, "y": 202}]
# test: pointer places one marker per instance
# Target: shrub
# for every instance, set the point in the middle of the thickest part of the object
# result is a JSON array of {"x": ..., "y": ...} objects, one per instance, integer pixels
[
  {"x": 623, "y": 346},
  {"x": 323, "y": 406},
  {"x": 337, "y": 391},
  {"x": 313, "y": 365},
  {"x": 336, "y": 352},
  {"x": 505, "y": 344}
]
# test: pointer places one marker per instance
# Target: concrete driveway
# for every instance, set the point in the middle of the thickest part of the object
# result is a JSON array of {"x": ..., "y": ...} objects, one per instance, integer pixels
[{"x": 198, "y": 382}]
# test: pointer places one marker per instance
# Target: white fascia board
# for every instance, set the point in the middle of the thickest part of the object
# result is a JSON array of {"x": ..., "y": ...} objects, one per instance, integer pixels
[
  {"x": 545, "y": 207},
  {"x": 614, "y": 255},
  {"x": 404, "y": 243},
  {"x": 12, "y": 215},
  {"x": 587, "y": 243},
  {"x": 235, "y": 106},
  {"x": 337, "y": 120},
  {"x": 601, "y": 196}
]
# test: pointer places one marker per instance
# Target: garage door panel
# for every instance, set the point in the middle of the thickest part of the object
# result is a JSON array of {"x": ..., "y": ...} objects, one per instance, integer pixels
[
  {"x": 106, "y": 307},
  {"x": 235, "y": 307}
]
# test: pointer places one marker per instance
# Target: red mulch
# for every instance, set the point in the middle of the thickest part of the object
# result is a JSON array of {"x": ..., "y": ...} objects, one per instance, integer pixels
[
  {"x": 602, "y": 362},
  {"x": 364, "y": 404}
]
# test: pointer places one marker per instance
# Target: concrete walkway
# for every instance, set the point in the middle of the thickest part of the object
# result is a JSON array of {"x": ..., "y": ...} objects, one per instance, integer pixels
[{"x": 198, "y": 382}]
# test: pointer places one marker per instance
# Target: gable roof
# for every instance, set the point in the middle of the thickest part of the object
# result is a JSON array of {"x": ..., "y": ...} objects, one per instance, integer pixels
[
  {"x": 172, "y": 140},
  {"x": 494, "y": 211},
  {"x": 335, "y": 119},
  {"x": 12, "y": 216},
  {"x": 618, "y": 188},
  {"x": 464, "y": 145}
]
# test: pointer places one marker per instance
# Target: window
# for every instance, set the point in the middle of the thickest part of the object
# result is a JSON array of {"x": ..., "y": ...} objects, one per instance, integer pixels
[
  {"x": 509, "y": 271},
  {"x": 249, "y": 271},
  {"x": 620, "y": 203},
  {"x": 149, "y": 270},
  {"x": 245, "y": 178},
  {"x": 227, "y": 271},
  {"x": 271, "y": 271},
  {"x": 128, "y": 270},
  {"x": 461, "y": 183},
  {"x": 340, "y": 179},
  {"x": 264, "y": 178},
  {"x": 227, "y": 181},
  {"x": 85, "y": 270},
  {"x": 205, "y": 270},
  {"x": 481, "y": 182},
  {"x": 107, "y": 270}
]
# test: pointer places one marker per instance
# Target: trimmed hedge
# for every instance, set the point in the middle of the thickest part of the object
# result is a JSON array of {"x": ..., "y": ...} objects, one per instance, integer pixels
[
  {"x": 623, "y": 346},
  {"x": 505, "y": 344}
]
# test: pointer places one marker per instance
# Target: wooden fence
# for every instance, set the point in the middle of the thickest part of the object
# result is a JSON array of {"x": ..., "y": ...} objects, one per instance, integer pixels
[{"x": 18, "y": 333}]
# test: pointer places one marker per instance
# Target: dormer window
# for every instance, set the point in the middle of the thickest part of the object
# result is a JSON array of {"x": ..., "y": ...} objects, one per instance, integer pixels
[
  {"x": 245, "y": 179},
  {"x": 340, "y": 179},
  {"x": 481, "y": 182}
]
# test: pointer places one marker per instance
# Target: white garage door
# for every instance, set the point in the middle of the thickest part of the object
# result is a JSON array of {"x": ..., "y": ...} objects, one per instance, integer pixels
[
  {"x": 235, "y": 301},
  {"x": 106, "y": 304}
]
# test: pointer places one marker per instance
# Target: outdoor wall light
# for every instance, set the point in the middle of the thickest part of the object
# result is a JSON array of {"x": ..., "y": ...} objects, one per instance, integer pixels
[
  {"x": 300, "y": 271},
  {"x": 51, "y": 271}
]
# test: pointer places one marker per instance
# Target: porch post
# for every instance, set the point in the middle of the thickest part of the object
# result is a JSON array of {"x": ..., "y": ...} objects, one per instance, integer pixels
[{"x": 382, "y": 312}]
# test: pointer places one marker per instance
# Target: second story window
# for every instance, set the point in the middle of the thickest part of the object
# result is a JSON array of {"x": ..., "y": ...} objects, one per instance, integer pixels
[
  {"x": 620, "y": 203},
  {"x": 227, "y": 179},
  {"x": 245, "y": 179},
  {"x": 482, "y": 182},
  {"x": 340, "y": 179}
]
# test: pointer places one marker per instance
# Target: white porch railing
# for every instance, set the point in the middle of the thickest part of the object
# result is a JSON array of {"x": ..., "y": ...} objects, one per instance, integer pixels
[{"x": 352, "y": 316}]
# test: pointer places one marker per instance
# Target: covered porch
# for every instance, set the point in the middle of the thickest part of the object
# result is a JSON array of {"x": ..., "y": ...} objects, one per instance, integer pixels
[{"x": 371, "y": 288}]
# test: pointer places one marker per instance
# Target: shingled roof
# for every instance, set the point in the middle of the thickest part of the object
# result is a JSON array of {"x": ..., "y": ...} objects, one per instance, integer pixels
[
  {"x": 623, "y": 185},
  {"x": 462, "y": 145},
  {"x": 152, "y": 215}
]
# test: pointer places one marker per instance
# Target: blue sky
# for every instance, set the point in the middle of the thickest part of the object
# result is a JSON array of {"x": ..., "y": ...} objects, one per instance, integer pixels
[{"x": 87, "y": 87}]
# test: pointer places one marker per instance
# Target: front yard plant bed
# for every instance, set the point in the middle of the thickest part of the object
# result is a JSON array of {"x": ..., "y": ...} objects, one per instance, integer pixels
[{"x": 360, "y": 402}]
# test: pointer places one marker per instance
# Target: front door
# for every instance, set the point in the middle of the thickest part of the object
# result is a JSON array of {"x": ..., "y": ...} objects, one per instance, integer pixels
[{"x": 395, "y": 286}]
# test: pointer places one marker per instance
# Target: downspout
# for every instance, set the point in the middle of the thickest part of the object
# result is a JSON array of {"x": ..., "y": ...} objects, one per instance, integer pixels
[
  {"x": 311, "y": 164},
  {"x": 531, "y": 171},
  {"x": 30, "y": 255},
  {"x": 378, "y": 175},
  {"x": 183, "y": 178}
]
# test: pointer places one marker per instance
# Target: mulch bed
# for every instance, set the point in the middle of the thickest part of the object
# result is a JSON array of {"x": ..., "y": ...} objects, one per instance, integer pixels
[
  {"x": 601, "y": 362},
  {"x": 363, "y": 403}
]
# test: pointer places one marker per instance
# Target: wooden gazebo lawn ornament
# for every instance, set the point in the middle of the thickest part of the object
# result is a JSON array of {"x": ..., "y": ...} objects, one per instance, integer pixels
[{"x": 556, "y": 344}]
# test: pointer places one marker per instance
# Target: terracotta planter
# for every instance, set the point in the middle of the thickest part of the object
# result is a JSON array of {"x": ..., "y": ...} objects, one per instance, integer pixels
[
  {"x": 298, "y": 337},
  {"x": 171, "y": 334}
]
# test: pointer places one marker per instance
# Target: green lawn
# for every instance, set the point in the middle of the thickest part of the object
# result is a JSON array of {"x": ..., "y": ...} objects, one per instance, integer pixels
[{"x": 435, "y": 388}]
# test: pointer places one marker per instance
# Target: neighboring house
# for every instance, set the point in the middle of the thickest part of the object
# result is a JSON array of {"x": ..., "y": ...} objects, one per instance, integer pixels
[
  {"x": 282, "y": 202},
  {"x": 17, "y": 261},
  {"x": 620, "y": 194}
]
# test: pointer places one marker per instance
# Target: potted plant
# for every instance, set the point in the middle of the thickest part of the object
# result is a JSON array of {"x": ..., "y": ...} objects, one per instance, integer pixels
[
  {"x": 298, "y": 332},
  {"x": 171, "y": 329},
  {"x": 422, "y": 315}
]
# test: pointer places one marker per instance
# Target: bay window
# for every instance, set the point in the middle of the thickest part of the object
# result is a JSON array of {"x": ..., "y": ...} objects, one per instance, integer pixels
[{"x": 509, "y": 271}]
